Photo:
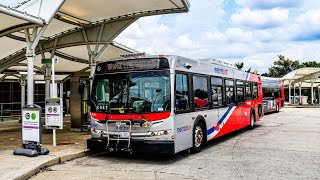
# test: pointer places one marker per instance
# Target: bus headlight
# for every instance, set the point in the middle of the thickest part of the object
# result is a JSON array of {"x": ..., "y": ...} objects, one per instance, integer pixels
[{"x": 160, "y": 133}]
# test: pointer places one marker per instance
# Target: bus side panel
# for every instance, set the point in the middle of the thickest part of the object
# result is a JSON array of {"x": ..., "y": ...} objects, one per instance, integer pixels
[
  {"x": 246, "y": 113},
  {"x": 183, "y": 127},
  {"x": 224, "y": 125}
]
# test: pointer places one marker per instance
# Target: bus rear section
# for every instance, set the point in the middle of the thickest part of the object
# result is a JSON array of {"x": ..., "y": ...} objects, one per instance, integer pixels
[
  {"x": 167, "y": 104},
  {"x": 273, "y": 94}
]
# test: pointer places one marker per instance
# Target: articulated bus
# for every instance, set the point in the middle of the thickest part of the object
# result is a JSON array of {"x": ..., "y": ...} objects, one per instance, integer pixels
[
  {"x": 273, "y": 94},
  {"x": 167, "y": 104}
]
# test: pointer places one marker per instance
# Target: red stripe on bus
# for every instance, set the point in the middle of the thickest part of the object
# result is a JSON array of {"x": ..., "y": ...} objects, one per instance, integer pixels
[{"x": 149, "y": 116}]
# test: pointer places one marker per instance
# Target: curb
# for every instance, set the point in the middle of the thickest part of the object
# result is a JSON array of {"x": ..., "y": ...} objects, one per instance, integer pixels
[{"x": 53, "y": 162}]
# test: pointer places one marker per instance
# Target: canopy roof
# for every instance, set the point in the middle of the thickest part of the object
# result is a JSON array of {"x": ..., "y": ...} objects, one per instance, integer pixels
[
  {"x": 80, "y": 33},
  {"x": 305, "y": 76}
]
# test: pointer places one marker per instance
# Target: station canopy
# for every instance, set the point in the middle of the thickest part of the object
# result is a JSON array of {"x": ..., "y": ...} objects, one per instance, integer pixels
[
  {"x": 80, "y": 33},
  {"x": 307, "y": 77}
]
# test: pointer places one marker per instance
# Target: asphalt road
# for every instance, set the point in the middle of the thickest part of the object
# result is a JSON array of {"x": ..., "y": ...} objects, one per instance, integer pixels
[{"x": 283, "y": 145}]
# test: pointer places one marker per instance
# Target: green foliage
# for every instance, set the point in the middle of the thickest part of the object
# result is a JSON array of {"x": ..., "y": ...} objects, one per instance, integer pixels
[
  {"x": 283, "y": 66},
  {"x": 312, "y": 64},
  {"x": 239, "y": 65}
]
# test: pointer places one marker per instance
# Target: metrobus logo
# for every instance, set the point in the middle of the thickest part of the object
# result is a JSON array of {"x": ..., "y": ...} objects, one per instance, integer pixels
[
  {"x": 221, "y": 71},
  {"x": 183, "y": 128}
]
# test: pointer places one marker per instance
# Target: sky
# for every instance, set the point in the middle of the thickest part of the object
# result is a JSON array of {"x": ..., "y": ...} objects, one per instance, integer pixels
[{"x": 251, "y": 31}]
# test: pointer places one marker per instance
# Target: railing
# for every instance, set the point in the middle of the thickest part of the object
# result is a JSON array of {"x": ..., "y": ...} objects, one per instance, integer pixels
[{"x": 13, "y": 113}]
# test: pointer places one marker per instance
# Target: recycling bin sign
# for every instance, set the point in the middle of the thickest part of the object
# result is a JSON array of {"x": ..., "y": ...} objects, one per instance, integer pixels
[
  {"x": 54, "y": 113},
  {"x": 31, "y": 124}
]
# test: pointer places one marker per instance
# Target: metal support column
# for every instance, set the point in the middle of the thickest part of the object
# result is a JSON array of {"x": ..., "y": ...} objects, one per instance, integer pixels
[
  {"x": 289, "y": 91},
  {"x": 294, "y": 93},
  {"x": 32, "y": 42},
  {"x": 319, "y": 94},
  {"x": 23, "y": 90},
  {"x": 61, "y": 89},
  {"x": 300, "y": 84},
  {"x": 47, "y": 79},
  {"x": 312, "y": 98}
]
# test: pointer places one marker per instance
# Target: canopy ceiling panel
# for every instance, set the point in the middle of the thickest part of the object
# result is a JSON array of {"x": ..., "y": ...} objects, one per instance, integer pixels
[
  {"x": 76, "y": 51},
  {"x": 69, "y": 66},
  {"x": 112, "y": 52},
  {"x": 9, "y": 46},
  {"x": 57, "y": 26},
  {"x": 9, "y": 21},
  {"x": 104, "y": 9}
]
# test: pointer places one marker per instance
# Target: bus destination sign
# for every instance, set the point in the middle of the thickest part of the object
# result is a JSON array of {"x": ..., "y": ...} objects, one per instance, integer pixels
[{"x": 132, "y": 64}]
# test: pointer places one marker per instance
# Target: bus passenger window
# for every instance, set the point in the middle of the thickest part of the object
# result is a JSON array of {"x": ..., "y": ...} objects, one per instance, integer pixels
[
  {"x": 240, "y": 93},
  {"x": 248, "y": 90},
  {"x": 182, "y": 93},
  {"x": 229, "y": 92},
  {"x": 200, "y": 88},
  {"x": 216, "y": 88},
  {"x": 254, "y": 90}
]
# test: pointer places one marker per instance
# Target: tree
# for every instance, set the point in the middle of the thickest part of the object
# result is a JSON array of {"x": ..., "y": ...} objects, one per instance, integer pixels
[
  {"x": 312, "y": 64},
  {"x": 283, "y": 66},
  {"x": 239, "y": 65}
]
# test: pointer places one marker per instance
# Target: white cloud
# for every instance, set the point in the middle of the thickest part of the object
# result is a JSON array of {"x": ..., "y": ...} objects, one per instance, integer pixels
[
  {"x": 238, "y": 35},
  {"x": 269, "y": 4},
  {"x": 306, "y": 26},
  {"x": 260, "y": 19}
]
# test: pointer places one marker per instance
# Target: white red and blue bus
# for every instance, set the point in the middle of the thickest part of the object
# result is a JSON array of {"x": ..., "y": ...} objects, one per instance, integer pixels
[
  {"x": 167, "y": 104},
  {"x": 273, "y": 94}
]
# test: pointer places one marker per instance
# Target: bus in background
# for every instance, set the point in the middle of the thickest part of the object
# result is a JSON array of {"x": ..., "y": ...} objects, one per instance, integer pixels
[
  {"x": 273, "y": 94},
  {"x": 167, "y": 104}
]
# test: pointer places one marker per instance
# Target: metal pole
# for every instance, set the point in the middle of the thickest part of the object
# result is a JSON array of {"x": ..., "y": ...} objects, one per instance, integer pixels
[
  {"x": 1, "y": 112},
  {"x": 319, "y": 94},
  {"x": 312, "y": 92},
  {"x": 61, "y": 90},
  {"x": 23, "y": 90},
  {"x": 289, "y": 92},
  {"x": 54, "y": 95},
  {"x": 30, "y": 58},
  {"x": 47, "y": 78},
  {"x": 294, "y": 93},
  {"x": 300, "y": 93}
]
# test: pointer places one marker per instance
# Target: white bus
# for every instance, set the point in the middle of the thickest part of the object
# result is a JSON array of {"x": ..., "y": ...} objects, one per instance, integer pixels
[{"x": 167, "y": 104}]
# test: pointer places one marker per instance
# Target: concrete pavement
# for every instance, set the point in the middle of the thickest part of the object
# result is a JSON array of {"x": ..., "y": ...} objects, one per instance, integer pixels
[
  {"x": 283, "y": 145},
  {"x": 71, "y": 145}
]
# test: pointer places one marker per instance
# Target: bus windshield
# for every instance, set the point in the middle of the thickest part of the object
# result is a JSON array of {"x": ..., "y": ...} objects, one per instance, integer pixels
[{"x": 134, "y": 92}]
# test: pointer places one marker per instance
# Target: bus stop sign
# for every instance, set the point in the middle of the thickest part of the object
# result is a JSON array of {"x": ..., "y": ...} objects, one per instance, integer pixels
[{"x": 31, "y": 126}]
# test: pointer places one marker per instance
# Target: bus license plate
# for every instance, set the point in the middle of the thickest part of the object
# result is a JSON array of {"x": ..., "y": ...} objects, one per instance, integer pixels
[{"x": 124, "y": 134}]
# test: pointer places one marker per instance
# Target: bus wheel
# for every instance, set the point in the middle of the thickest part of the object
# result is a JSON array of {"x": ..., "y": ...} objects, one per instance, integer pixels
[
  {"x": 198, "y": 138},
  {"x": 277, "y": 108},
  {"x": 251, "y": 126}
]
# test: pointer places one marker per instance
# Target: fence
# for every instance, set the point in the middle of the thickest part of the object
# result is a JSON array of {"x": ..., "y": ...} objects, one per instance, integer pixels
[{"x": 12, "y": 111}]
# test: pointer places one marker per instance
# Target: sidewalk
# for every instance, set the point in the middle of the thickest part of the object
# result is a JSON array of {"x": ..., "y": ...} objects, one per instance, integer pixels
[{"x": 70, "y": 145}]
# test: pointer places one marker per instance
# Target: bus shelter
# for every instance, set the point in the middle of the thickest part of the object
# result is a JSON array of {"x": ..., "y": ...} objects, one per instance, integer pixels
[
  {"x": 303, "y": 78},
  {"x": 77, "y": 32}
]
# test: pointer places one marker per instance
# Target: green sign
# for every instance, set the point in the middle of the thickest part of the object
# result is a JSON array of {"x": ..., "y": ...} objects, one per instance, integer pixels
[{"x": 48, "y": 61}]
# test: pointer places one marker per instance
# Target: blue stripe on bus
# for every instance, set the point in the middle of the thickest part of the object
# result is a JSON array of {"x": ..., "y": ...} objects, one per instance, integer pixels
[
  {"x": 211, "y": 130},
  {"x": 247, "y": 78}
]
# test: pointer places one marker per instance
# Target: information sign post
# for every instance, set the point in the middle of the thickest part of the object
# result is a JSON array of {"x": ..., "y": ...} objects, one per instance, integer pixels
[
  {"x": 54, "y": 115},
  {"x": 31, "y": 127}
]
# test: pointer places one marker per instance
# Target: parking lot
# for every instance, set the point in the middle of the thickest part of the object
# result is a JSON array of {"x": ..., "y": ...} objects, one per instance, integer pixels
[{"x": 283, "y": 145}]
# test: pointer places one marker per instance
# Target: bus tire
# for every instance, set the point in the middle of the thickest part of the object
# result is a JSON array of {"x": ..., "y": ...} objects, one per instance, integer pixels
[
  {"x": 198, "y": 137},
  {"x": 252, "y": 120}
]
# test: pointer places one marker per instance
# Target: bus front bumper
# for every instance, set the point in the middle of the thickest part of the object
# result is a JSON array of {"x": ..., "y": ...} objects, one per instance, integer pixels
[{"x": 146, "y": 146}]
